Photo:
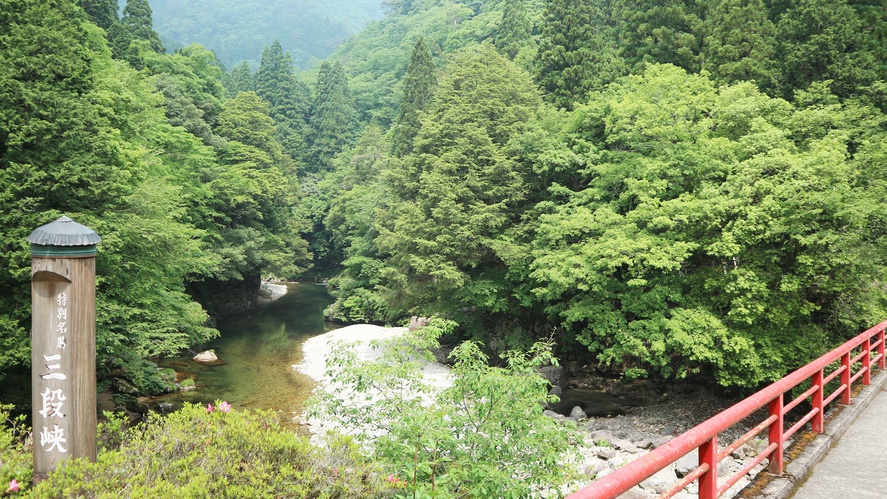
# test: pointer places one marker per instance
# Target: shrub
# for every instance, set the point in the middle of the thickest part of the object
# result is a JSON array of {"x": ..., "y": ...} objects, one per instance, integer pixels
[
  {"x": 195, "y": 453},
  {"x": 16, "y": 461},
  {"x": 484, "y": 436}
]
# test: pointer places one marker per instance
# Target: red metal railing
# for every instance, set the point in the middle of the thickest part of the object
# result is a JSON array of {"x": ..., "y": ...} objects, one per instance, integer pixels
[{"x": 705, "y": 435}]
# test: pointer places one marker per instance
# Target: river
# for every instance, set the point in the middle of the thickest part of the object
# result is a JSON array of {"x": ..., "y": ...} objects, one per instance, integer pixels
[{"x": 260, "y": 348}]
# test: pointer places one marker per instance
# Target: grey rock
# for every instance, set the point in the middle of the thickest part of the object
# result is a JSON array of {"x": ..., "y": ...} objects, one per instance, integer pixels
[
  {"x": 554, "y": 374},
  {"x": 595, "y": 468},
  {"x": 616, "y": 389},
  {"x": 442, "y": 355},
  {"x": 727, "y": 467},
  {"x": 572, "y": 368},
  {"x": 137, "y": 406},
  {"x": 606, "y": 453},
  {"x": 208, "y": 358},
  {"x": 661, "y": 481},
  {"x": 636, "y": 493},
  {"x": 417, "y": 322},
  {"x": 688, "y": 463},
  {"x": 122, "y": 386},
  {"x": 644, "y": 444},
  {"x": 661, "y": 441},
  {"x": 741, "y": 452},
  {"x": 578, "y": 413},
  {"x": 625, "y": 445},
  {"x": 553, "y": 415},
  {"x": 601, "y": 435}
]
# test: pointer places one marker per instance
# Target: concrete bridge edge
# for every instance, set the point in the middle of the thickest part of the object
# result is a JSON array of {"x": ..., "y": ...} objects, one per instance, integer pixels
[{"x": 797, "y": 470}]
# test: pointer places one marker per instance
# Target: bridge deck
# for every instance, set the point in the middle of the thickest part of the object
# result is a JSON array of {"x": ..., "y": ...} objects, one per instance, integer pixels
[{"x": 856, "y": 466}]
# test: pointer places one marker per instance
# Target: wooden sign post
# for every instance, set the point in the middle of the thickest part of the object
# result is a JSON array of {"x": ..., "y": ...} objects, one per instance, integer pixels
[{"x": 63, "y": 393}]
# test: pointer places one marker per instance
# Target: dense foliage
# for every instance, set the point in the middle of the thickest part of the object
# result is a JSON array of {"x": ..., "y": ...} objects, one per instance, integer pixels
[
  {"x": 703, "y": 202},
  {"x": 196, "y": 452},
  {"x": 181, "y": 187},
  {"x": 483, "y": 436},
  {"x": 664, "y": 188},
  {"x": 672, "y": 188}
]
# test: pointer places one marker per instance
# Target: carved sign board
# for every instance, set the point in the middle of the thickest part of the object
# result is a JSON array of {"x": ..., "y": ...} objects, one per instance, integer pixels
[{"x": 63, "y": 393}]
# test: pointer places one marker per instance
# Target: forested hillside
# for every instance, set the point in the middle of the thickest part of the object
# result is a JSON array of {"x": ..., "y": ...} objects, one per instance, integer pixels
[
  {"x": 665, "y": 188},
  {"x": 697, "y": 192},
  {"x": 238, "y": 31}
]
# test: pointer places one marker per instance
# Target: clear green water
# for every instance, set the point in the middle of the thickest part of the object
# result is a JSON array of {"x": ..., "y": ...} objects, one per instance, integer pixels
[{"x": 260, "y": 349}]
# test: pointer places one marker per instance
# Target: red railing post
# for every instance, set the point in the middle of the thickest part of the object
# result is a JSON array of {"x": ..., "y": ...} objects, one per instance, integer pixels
[
  {"x": 621, "y": 480},
  {"x": 845, "y": 378},
  {"x": 776, "y": 432},
  {"x": 818, "y": 421},
  {"x": 882, "y": 364},
  {"x": 867, "y": 362},
  {"x": 708, "y": 482}
]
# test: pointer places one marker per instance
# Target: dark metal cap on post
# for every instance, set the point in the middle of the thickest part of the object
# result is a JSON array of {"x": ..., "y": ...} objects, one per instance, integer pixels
[{"x": 64, "y": 238}]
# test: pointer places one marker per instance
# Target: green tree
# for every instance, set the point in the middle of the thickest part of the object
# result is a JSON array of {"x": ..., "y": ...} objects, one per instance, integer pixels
[
  {"x": 287, "y": 98},
  {"x": 333, "y": 119},
  {"x": 190, "y": 83},
  {"x": 84, "y": 135},
  {"x": 138, "y": 21},
  {"x": 457, "y": 193},
  {"x": 418, "y": 86},
  {"x": 255, "y": 190},
  {"x": 826, "y": 40},
  {"x": 660, "y": 31},
  {"x": 739, "y": 42},
  {"x": 350, "y": 225},
  {"x": 245, "y": 119},
  {"x": 713, "y": 225},
  {"x": 577, "y": 50},
  {"x": 103, "y": 13},
  {"x": 515, "y": 28},
  {"x": 240, "y": 80},
  {"x": 120, "y": 42}
]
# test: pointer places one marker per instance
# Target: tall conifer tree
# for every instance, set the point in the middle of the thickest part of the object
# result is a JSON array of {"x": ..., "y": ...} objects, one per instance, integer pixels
[
  {"x": 455, "y": 195},
  {"x": 418, "y": 86},
  {"x": 103, "y": 13},
  {"x": 827, "y": 40},
  {"x": 514, "y": 30},
  {"x": 138, "y": 20},
  {"x": 240, "y": 80},
  {"x": 663, "y": 31},
  {"x": 287, "y": 99},
  {"x": 739, "y": 42},
  {"x": 333, "y": 115},
  {"x": 577, "y": 50}
]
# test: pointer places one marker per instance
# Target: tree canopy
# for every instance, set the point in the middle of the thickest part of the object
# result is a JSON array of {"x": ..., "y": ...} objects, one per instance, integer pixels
[{"x": 668, "y": 188}]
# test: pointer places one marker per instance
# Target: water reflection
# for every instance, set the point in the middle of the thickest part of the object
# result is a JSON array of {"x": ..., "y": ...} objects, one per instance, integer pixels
[{"x": 260, "y": 348}]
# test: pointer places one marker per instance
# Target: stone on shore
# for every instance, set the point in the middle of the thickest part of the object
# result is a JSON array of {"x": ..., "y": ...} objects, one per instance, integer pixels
[{"x": 208, "y": 358}]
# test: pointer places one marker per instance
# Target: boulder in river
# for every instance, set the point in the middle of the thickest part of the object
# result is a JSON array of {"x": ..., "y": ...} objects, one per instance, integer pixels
[{"x": 208, "y": 358}]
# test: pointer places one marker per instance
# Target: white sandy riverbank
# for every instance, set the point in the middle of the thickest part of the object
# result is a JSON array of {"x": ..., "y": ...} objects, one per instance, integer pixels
[{"x": 315, "y": 351}]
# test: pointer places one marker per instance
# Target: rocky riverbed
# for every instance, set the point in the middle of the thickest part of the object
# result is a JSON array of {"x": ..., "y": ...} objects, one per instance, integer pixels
[
  {"x": 633, "y": 417},
  {"x": 612, "y": 442}
]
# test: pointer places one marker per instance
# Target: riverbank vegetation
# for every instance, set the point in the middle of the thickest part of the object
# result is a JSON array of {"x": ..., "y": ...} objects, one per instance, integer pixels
[
  {"x": 480, "y": 433},
  {"x": 669, "y": 189},
  {"x": 198, "y": 452}
]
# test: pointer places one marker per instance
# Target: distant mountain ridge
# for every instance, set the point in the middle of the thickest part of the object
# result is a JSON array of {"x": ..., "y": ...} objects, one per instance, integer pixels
[{"x": 238, "y": 31}]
